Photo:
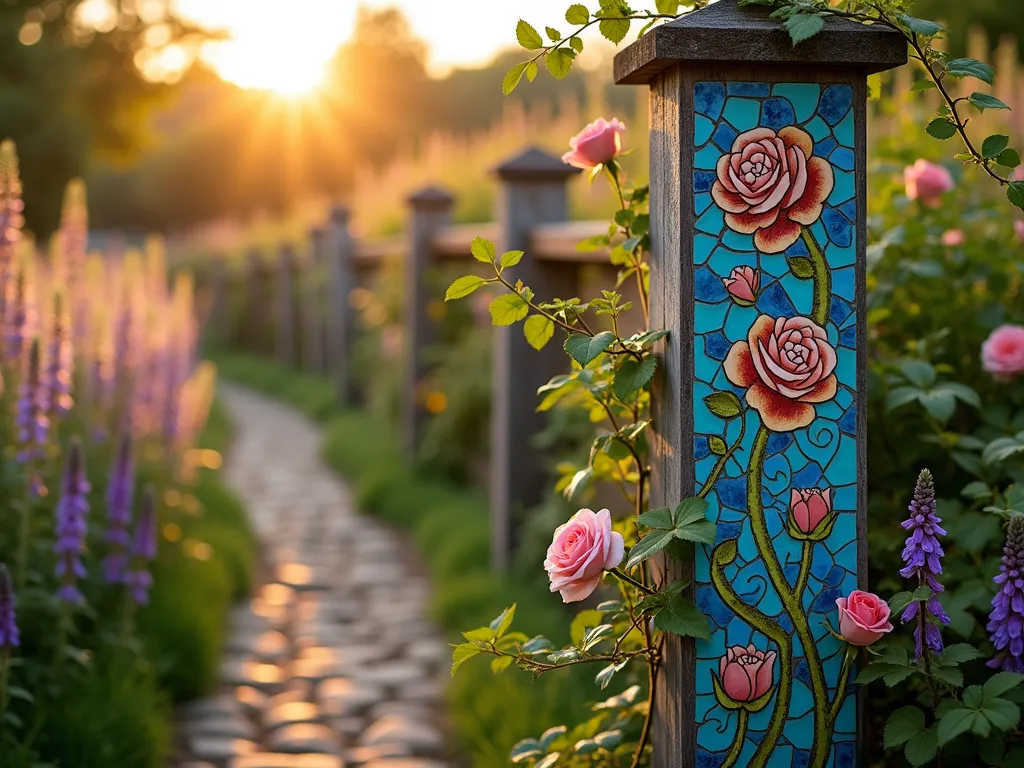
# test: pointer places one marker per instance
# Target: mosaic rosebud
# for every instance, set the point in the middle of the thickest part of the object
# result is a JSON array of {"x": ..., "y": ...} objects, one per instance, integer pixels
[{"x": 742, "y": 284}]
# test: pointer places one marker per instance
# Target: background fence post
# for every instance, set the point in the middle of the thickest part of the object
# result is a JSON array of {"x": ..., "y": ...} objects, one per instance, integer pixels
[
  {"x": 341, "y": 319},
  {"x": 284, "y": 294},
  {"x": 254, "y": 317},
  {"x": 312, "y": 293},
  {"x": 723, "y": 79},
  {"x": 533, "y": 191},
  {"x": 431, "y": 212},
  {"x": 216, "y": 328}
]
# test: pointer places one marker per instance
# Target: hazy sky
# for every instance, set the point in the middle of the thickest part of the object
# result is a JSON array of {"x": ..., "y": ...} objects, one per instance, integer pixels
[{"x": 301, "y": 34}]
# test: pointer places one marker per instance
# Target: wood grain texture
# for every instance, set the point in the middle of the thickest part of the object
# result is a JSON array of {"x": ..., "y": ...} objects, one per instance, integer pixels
[
  {"x": 724, "y": 32},
  {"x": 284, "y": 315},
  {"x": 519, "y": 474}
]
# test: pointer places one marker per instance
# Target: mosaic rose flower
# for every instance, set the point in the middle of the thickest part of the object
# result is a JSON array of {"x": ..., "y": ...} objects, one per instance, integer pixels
[
  {"x": 769, "y": 186},
  {"x": 742, "y": 284},
  {"x": 809, "y": 506},
  {"x": 786, "y": 365},
  {"x": 746, "y": 673}
]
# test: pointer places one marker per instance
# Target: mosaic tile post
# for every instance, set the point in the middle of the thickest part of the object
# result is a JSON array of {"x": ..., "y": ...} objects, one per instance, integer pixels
[{"x": 775, "y": 419}]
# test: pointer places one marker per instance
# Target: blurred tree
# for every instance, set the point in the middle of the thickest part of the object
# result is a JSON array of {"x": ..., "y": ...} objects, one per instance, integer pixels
[
  {"x": 78, "y": 76},
  {"x": 997, "y": 17}
]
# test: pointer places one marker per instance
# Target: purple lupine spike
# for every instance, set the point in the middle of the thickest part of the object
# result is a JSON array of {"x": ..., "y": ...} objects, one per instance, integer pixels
[
  {"x": 71, "y": 512},
  {"x": 9, "y": 635},
  {"x": 143, "y": 551},
  {"x": 16, "y": 319},
  {"x": 1006, "y": 622},
  {"x": 119, "y": 513},
  {"x": 11, "y": 207},
  {"x": 32, "y": 423},
  {"x": 922, "y": 555},
  {"x": 59, "y": 364}
]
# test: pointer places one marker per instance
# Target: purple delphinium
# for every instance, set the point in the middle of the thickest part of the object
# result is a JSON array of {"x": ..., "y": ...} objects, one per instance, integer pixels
[
  {"x": 138, "y": 577},
  {"x": 1006, "y": 622},
  {"x": 922, "y": 555},
  {"x": 71, "y": 526},
  {"x": 59, "y": 364},
  {"x": 9, "y": 635},
  {"x": 119, "y": 513},
  {"x": 32, "y": 422}
]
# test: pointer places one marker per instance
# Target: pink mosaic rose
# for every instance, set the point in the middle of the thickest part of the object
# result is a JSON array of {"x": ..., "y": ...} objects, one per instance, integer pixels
[
  {"x": 1002, "y": 353},
  {"x": 580, "y": 552},
  {"x": 863, "y": 618},
  {"x": 927, "y": 182},
  {"x": 746, "y": 673},
  {"x": 769, "y": 186},
  {"x": 742, "y": 284},
  {"x": 786, "y": 365},
  {"x": 954, "y": 238},
  {"x": 596, "y": 144},
  {"x": 809, "y": 506}
]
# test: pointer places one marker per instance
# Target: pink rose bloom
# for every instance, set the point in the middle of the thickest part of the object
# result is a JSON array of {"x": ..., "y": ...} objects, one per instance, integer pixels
[
  {"x": 770, "y": 185},
  {"x": 1018, "y": 228},
  {"x": 953, "y": 237},
  {"x": 1018, "y": 174},
  {"x": 580, "y": 552},
  {"x": 742, "y": 285},
  {"x": 746, "y": 673},
  {"x": 809, "y": 507},
  {"x": 786, "y": 364},
  {"x": 596, "y": 144},
  {"x": 1002, "y": 353},
  {"x": 863, "y": 618},
  {"x": 927, "y": 182}
]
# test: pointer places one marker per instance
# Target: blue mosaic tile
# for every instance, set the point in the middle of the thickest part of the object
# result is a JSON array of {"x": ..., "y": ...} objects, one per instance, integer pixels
[
  {"x": 820, "y": 455},
  {"x": 703, "y": 180},
  {"x": 709, "y": 98},
  {"x": 777, "y": 114},
  {"x": 836, "y": 101},
  {"x": 702, "y": 129}
]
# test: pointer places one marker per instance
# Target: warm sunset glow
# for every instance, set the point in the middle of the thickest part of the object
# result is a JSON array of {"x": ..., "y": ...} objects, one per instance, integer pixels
[{"x": 294, "y": 71}]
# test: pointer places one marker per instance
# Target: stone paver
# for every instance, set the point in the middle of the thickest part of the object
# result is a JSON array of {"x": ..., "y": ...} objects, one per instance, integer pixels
[{"x": 332, "y": 661}]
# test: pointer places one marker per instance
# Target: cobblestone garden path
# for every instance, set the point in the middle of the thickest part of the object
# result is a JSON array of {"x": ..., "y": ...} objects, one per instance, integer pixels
[{"x": 331, "y": 663}]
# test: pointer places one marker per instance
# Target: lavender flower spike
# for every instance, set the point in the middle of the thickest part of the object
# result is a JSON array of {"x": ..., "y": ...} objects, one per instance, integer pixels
[
  {"x": 139, "y": 579},
  {"x": 1006, "y": 622},
  {"x": 9, "y": 635},
  {"x": 119, "y": 512},
  {"x": 922, "y": 555},
  {"x": 71, "y": 526}
]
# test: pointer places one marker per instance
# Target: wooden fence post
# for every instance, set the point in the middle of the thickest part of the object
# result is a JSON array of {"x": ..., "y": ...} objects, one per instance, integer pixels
[
  {"x": 758, "y": 182},
  {"x": 431, "y": 212},
  {"x": 313, "y": 305},
  {"x": 254, "y": 317},
  {"x": 284, "y": 295},
  {"x": 341, "y": 319},
  {"x": 216, "y": 332},
  {"x": 532, "y": 192}
]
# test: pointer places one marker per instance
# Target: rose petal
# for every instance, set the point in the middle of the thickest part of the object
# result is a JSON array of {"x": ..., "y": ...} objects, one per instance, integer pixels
[{"x": 779, "y": 414}]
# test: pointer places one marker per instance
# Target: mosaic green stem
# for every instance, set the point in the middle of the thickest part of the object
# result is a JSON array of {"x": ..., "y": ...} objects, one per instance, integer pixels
[
  {"x": 722, "y": 460},
  {"x": 737, "y": 744},
  {"x": 822, "y": 278},
  {"x": 844, "y": 679}
]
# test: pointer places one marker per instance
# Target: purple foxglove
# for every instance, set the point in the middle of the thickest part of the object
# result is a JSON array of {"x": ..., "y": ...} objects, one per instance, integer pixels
[
  {"x": 71, "y": 513},
  {"x": 922, "y": 557},
  {"x": 1006, "y": 621}
]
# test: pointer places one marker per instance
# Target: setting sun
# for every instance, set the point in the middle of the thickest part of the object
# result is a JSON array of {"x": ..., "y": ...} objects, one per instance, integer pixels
[{"x": 294, "y": 72}]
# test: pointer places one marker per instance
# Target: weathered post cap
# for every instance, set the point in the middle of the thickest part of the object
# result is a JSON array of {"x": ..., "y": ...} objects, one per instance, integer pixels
[
  {"x": 726, "y": 33},
  {"x": 340, "y": 214},
  {"x": 534, "y": 164},
  {"x": 431, "y": 198}
]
